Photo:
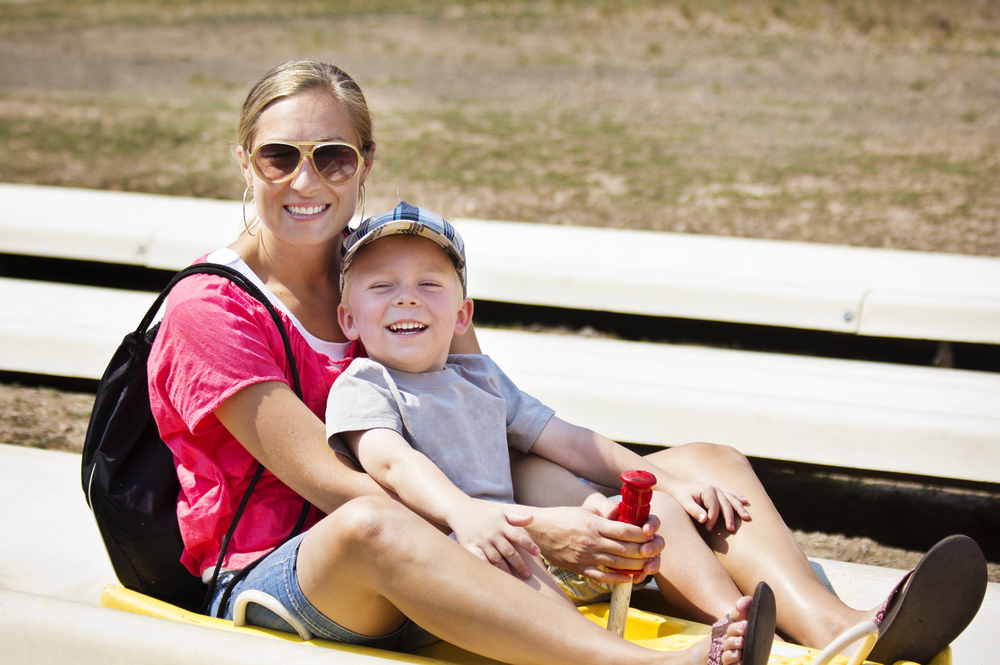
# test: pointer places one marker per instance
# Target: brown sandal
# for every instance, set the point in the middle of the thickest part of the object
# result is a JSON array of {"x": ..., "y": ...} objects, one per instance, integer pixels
[
  {"x": 761, "y": 621},
  {"x": 932, "y": 604}
]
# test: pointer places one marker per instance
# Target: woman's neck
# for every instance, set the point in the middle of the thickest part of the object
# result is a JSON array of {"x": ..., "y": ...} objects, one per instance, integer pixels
[{"x": 305, "y": 279}]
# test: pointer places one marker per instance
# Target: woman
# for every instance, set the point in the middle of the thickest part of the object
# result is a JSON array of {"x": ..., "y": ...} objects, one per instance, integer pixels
[
  {"x": 365, "y": 564},
  {"x": 365, "y": 568}
]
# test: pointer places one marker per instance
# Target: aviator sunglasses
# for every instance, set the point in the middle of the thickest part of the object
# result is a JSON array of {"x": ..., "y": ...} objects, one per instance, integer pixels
[{"x": 278, "y": 161}]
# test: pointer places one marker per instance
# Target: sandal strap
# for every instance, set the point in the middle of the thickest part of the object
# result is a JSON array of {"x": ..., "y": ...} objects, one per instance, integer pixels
[
  {"x": 718, "y": 637},
  {"x": 890, "y": 600}
]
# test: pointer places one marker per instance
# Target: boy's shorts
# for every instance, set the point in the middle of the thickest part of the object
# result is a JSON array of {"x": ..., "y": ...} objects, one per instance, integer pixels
[{"x": 581, "y": 589}]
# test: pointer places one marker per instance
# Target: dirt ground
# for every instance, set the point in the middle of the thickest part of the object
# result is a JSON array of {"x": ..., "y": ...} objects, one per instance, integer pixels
[{"x": 871, "y": 123}]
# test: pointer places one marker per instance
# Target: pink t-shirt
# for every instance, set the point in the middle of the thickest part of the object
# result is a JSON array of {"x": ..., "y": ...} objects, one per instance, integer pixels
[{"x": 215, "y": 340}]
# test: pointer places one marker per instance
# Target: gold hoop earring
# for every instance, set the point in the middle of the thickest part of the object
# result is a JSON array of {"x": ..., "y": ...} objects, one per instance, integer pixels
[
  {"x": 245, "y": 225},
  {"x": 364, "y": 201}
]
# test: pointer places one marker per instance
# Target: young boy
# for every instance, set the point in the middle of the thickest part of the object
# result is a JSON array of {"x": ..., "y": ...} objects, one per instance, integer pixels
[{"x": 435, "y": 428}]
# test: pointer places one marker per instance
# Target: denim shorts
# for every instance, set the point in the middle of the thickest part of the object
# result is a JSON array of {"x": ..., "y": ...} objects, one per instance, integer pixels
[{"x": 275, "y": 575}]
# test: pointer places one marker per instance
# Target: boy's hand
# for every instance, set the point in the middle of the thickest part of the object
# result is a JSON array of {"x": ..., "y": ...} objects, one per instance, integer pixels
[
  {"x": 704, "y": 503},
  {"x": 495, "y": 535}
]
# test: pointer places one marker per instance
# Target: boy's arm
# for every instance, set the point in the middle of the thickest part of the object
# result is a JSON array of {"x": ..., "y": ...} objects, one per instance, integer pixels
[
  {"x": 425, "y": 489},
  {"x": 601, "y": 460}
]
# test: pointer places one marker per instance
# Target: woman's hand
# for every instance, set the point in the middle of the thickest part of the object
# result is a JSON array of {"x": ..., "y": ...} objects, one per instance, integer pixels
[
  {"x": 704, "y": 503},
  {"x": 494, "y": 535},
  {"x": 581, "y": 539}
]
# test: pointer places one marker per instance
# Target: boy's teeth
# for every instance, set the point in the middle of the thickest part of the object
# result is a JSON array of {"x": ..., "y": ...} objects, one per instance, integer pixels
[
  {"x": 406, "y": 326},
  {"x": 305, "y": 210}
]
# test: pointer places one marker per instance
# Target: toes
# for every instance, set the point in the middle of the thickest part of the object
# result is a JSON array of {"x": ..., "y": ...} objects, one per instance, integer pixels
[
  {"x": 733, "y": 644},
  {"x": 735, "y": 631},
  {"x": 742, "y": 609},
  {"x": 732, "y": 656}
]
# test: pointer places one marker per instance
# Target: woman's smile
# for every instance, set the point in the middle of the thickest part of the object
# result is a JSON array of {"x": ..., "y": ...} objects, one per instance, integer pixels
[{"x": 307, "y": 210}]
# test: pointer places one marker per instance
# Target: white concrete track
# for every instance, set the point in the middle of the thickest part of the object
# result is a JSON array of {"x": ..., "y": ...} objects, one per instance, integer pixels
[
  {"x": 905, "y": 419},
  {"x": 858, "y": 290},
  {"x": 915, "y": 420},
  {"x": 53, "y": 567},
  {"x": 927, "y": 421}
]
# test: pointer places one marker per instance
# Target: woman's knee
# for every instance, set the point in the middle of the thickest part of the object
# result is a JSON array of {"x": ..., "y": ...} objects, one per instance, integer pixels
[
  {"x": 702, "y": 455},
  {"x": 720, "y": 453},
  {"x": 367, "y": 522}
]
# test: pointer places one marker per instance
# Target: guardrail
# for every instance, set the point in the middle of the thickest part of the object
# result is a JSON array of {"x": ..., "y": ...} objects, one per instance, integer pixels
[{"x": 888, "y": 293}]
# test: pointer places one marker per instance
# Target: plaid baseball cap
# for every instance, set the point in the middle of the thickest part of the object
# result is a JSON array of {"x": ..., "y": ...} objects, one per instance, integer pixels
[{"x": 406, "y": 219}]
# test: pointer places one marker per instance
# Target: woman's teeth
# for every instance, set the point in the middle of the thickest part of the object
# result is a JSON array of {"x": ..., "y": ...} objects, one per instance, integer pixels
[{"x": 306, "y": 210}]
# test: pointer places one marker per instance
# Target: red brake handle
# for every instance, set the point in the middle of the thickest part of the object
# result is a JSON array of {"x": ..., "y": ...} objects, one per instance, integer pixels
[{"x": 637, "y": 490}]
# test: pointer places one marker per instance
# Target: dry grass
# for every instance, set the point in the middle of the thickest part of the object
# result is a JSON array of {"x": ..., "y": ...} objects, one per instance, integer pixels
[{"x": 869, "y": 123}]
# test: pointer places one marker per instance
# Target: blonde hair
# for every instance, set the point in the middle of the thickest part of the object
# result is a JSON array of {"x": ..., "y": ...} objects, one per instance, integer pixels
[
  {"x": 395, "y": 243},
  {"x": 292, "y": 78}
]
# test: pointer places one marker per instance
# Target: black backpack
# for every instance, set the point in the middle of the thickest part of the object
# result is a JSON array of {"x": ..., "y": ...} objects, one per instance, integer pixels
[{"x": 128, "y": 472}]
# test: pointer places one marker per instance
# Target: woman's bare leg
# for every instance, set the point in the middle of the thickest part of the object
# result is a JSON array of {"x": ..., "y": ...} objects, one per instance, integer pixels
[
  {"x": 372, "y": 561},
  {"x": 763, "y": 548}
]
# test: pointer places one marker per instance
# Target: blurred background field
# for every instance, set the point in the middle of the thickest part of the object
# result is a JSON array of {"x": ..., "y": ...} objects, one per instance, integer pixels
[{"x": 855, "y": 122}]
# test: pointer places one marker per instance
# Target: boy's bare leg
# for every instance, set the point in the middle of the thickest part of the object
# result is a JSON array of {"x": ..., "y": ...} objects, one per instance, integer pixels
[
  {"x": 763, "y": 548},
  {"x": 691, "y": 578},
  {"x": 373, "y": 561},
  {"x": 543, "y": 582}
]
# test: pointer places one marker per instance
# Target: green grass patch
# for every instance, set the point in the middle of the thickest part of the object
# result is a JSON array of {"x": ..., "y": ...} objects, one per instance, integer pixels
[
  {"x": 169, "y": 151},
  {"x": 508, "y": 150}
]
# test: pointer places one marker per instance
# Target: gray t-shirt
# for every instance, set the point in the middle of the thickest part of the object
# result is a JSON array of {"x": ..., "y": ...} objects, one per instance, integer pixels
[{"x": 463, "y": 418}]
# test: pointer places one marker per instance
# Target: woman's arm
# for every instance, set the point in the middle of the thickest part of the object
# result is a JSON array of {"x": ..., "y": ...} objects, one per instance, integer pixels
[
  {"x": 290, "y": 441},
  {"x": 466, "y": 342}
]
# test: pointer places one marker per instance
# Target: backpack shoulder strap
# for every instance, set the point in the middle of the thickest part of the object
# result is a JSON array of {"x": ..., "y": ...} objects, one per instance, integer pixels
[{"x": 240, "y": 280}]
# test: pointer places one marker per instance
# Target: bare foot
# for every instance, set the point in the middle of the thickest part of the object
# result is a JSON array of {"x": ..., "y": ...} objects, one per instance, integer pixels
[
  {"x": 732, "y": 646},
  {"x": 749, "y": 633}
]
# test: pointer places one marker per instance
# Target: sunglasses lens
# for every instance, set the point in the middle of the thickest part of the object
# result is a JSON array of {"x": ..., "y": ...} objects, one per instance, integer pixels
[
  {"x": 275, "y": 161},
  {"x": 336, "y": 163}
]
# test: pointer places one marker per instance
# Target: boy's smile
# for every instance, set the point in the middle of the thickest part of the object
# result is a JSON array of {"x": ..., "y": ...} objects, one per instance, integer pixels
[
  {"x": 406, "y": 328},
  {"x": 403, "y": 299}
]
